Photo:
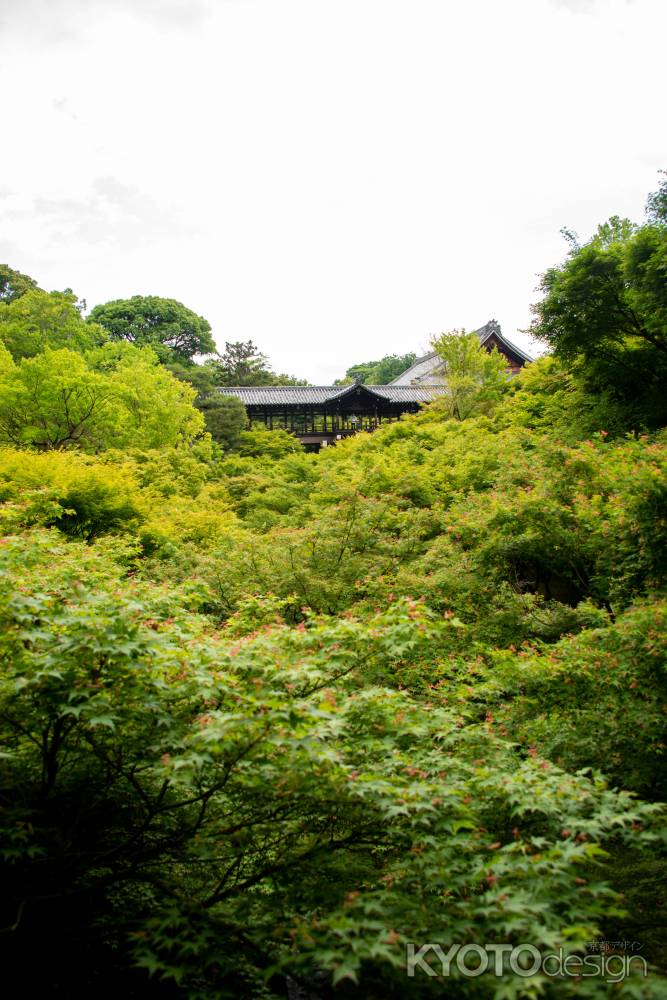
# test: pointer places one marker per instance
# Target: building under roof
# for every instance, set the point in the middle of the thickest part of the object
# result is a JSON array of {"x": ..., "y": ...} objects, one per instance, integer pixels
[{"x": 320, "y": 415}]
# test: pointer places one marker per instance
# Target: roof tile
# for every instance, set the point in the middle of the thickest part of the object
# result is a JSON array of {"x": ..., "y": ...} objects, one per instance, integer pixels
[{"x": 308, "y": 395}]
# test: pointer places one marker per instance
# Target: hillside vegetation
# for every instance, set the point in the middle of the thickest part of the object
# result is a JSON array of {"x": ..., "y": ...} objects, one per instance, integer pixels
[{"x": 268, "y": 717}]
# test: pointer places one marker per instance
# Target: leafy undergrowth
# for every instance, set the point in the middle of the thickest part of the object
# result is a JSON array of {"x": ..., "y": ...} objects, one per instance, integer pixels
[{"x": 282, "y": 715}]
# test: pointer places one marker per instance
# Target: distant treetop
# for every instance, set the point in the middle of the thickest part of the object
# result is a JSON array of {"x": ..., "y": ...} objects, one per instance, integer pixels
[
  {"x": 656, "y": 205},
  {"x": 378, "y": 372},
  {"x": 34, "y": 320},
  {"x": 175, "y": 332},
  {"x": 242, "y": 364},
  {"x": 13, "y": 284},
  {"x": 604, "y": 312}
]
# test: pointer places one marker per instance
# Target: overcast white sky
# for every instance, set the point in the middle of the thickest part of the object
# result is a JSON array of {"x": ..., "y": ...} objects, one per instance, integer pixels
[{"x": 335, "y": 179}]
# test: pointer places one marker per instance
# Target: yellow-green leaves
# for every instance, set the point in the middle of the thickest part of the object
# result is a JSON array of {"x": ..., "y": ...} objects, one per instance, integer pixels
[
  {"x": 474, "y": 378},
  {"x": 109, "y": 398}
]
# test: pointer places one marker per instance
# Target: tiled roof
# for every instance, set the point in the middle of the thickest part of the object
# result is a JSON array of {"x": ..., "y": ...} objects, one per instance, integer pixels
[
  {"x": 414, "y": 393},
  {"x": 421, "y": 368},
  {"x": 309, "y": 395}
]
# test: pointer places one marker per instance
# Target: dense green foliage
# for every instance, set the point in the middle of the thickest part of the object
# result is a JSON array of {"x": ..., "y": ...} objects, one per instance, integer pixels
[
  {"x": 13, "y": 284},
  {"x": 224, "y": 416},
  {"x": 476, "y": 379},
  {"x": 604, "y": 311},
  {"x": 174, "y": 332},
  {"x": 116, "y": 394},
  {"x": 36, "y": 320},
  {"x": 268, "y": 717}
]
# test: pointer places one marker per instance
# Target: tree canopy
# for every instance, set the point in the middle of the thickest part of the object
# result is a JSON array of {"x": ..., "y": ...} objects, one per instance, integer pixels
[
  {"x": 225, "y": 417},
  {"x": 175, "y": 332},
  {"x": 36, "y": 320},
  {"x": 13, "y": 284},
  {"x": 656, "y": 204},
  {"x": 115, "y": 395},
  {"x": 604, "y": 311},
  {"x": 242, "y": 363},
  {"x": 378, "y": 372},
  {"x": 274, "y": 722},
  {"x": 475, "y": 378}
]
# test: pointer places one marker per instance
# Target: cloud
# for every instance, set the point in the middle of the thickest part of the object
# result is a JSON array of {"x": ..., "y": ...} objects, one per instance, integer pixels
[
  {"x": 111, "y": 213},
  {"x": 61, "y": 105},
  {"x": 53, "y": 22},
  {"x": 10, "y": 251},
  {"x": 576, "y": 6},
  {"x": 298, "y": 166},
  {"x": 582, "y": 6}
]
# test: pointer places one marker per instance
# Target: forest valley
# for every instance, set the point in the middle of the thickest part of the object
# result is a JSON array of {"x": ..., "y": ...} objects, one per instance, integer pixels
[{"x": 268, "y": 718}]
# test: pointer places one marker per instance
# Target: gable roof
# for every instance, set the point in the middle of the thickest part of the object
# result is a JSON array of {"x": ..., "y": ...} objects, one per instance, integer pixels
[
  {"x": 491, "y": 329},
  {"x": 312, "y": 395},
  {"x": 429, "y": 363}
]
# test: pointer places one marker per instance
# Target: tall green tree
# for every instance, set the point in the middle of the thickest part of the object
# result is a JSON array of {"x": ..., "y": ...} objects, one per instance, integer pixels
[
  {"x": 202, "y": 377},
  {"x": 379, "y": 372},
  {"x": 475, "y": 379},
  {"x": 156, "y": 409},
  {"x": 225, "y": 416},
  {"x": 656, "y": 205},
  {"x": 13, "y": 284},
  {"x": 54, "y": 401},
  {"x": 174, "y": 332},
  {"x": 604, "y": 312},
  {"x": 116, "y": 396},
  {"x": 243, "y": 364},
  {"x": 35, "y": 320}
]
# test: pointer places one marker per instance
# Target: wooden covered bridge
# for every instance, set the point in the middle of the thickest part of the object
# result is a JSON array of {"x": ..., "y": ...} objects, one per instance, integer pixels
[{"x": 321, "y": 415}]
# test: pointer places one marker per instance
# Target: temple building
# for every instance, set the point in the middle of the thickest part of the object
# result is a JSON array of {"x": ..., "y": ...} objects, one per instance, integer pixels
[
  {"x": 429, "y": 369},
  {"x": 322, "y": 415}
]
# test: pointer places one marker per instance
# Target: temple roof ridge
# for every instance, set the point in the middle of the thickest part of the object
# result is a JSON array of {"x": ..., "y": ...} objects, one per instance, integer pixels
[
  {"x": 308, "y": 395},
  {"x": 423, "y": 367}
]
